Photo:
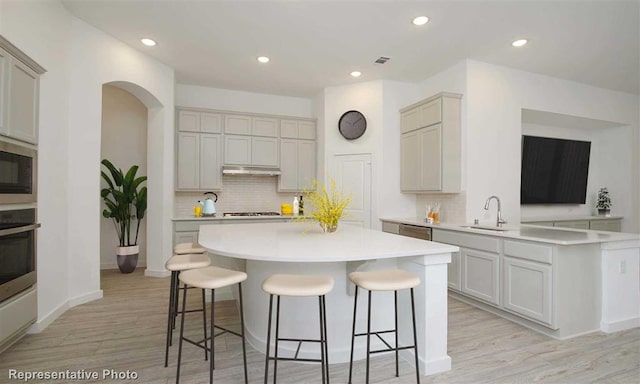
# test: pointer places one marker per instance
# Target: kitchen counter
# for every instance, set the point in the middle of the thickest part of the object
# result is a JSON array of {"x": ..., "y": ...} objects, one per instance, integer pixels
[
  {"x": 302, "y": 248},
  {"x": 550, "y": 235},
  {"x": 568, "y": 218},
  {"x": 231, "y": 218}
]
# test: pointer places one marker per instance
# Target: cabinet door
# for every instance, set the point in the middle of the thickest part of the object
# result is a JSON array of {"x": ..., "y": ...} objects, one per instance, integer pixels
[
  {"x": 430, "y": 113},
  {"x": 454, "y": 271},
  {"x": 430, "y": 150},
  {"x": 289, "y": 129},
  {"x": 264, "y": 151},
  {"x": 23, "y": 102},
  {"x": 4, "y": 76},
  {"x": 409, "y": 121},
  {"x": 288, "y": 179},
  {"x": 409, "y": 158},
  {"x": 264, "y": 126},
  {"x": 306, "y": 164},
  {"x": 210, "y": 122},
  {"x": 527, "y": 288},
  {"x": 306, "y": 130},
  {"x": 237, "y": 124},
  {"x": 613, "y": 225},
  {"x": 237, "y": 150},
  {"x": 188, "y": 121},
  {"x": 480, "y": 274},
  {"x": 210, "y": 161},
  {"x": 578, "y": 224},
  {"x": 188, "y": 168}
]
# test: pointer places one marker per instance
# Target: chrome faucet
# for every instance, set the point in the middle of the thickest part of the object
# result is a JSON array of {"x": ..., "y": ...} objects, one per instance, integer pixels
[{"x": 499, "y": 220}]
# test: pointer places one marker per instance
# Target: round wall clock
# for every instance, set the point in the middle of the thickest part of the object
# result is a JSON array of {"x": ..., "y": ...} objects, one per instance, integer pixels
[{"x": 352, "y": 125}]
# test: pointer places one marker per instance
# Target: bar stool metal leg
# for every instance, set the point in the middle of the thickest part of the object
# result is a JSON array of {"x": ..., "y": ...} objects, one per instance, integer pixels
[
  {"x": 395, "y": 311},
  {"x": 266, "y": 364},
  {"x": 204, "y": 324},
  {"x": 353, "y": 332},
  {"x": 244, "y": 348},
  {"x": 326, "y": 337},
  {"x": 368, "y": 335},
  {"x": 275, "y": 352},
  {"x": 170, "y": 319},
  {"x": 415, "y": 337},
  {"x": 184, "y": 304},
  {"x": 212, "y": 365},
  {"x": 322, "y": 357}
]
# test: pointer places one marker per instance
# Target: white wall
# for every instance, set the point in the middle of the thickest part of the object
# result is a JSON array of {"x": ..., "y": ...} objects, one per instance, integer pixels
[
  {"x": 495, "y": 97},
  {"x": 240, "y": 101},
  {"x": 79, "y": 60},
  {"x": 42, "y": 31},
  {"x": 124, "y": 143}
]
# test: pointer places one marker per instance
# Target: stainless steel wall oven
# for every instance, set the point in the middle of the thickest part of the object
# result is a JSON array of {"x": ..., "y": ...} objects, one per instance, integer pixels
[
  {"x": 18, "y": 176},
  {"x": 17, "y": 251}
]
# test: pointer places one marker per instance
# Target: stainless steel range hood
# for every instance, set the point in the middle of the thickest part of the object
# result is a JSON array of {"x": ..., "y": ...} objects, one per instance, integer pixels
[{"x": 255, "y": 171}]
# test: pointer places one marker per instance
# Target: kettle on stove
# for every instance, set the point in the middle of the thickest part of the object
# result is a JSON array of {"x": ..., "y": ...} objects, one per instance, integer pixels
[{"x": 209, "y": 207}]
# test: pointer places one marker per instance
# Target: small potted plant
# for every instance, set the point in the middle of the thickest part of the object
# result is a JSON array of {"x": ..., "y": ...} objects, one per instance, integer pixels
[
  {"x": 604, "y": 202},
  {"x": 125, "y": 200}
]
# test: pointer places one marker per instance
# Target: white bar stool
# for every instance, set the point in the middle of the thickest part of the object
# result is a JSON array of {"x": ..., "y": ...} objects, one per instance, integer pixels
[
  {"x": 184, "y": 248},
  {"x": 384, "y": 280},
  {"x": 177, "y": 264},
  {"x": 212, "y": 278},
  {"x": 300, "y": 286}
]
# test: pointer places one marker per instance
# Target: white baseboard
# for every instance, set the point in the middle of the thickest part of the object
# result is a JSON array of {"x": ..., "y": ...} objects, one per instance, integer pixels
[
  {"x": 49, "y": 318},
  {"x": 620, "y": 325},
  {"x": 152, "y": 273}
]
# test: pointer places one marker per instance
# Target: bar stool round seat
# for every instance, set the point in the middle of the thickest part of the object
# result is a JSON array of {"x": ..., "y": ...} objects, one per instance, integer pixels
[
  {"x": 176, "y": 264},
  {"x": 184, "y": 262},
  {"x": 297, "y": 286},
  {"x": 384, "y": 280},
  {"x": 212, "y": 278},
  {"x": 184, "y": 248}
]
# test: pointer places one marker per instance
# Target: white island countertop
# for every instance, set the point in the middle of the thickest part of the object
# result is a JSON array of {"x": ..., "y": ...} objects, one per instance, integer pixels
[
  {"x": 551, "y": 235},
  {"x": 305, "y": 242}
]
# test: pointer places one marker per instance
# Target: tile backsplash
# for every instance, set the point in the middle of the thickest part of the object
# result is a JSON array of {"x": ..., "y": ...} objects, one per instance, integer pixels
[
  {"x": 240, "y": 193},
  {"x": 453, "y": 207}
]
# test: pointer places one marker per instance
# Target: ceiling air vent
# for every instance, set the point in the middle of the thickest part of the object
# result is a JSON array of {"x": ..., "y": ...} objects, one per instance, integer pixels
[{"x": 382, "y": 60}]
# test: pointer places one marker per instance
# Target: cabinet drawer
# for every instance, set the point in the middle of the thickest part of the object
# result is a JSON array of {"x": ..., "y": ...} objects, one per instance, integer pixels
[
  {"x": 390, "y": 227},
  {"x": 578, "y": 224},
  {"x": 613, "y": 225},
  {"x": 188, "y": 226},
  {"x": 529, "y": 251},
  {"x": 467, "y": 240}
]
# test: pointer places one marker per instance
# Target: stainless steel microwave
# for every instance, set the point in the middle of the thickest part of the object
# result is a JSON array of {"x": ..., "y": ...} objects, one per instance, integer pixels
[{"x": 18, "y": 175}]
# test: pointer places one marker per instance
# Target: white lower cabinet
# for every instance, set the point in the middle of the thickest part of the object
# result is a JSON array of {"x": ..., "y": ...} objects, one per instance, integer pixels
[
  {"x": 454, "y": 271},
  {"x": 481, "y": 274},
  {"x": 528, "y": 288}
]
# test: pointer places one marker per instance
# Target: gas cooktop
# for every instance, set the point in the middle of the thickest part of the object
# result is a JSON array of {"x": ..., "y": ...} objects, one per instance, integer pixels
[{"x": 234, "y": 214}]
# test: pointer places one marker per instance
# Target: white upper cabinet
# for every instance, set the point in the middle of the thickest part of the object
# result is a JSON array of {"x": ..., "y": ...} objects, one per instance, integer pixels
[
  {"x": 188, "y": 121},
  {"x": 210, "y": 122},
  {"x": 297, "y": 155},
  {"x": 195, "y": 121},
  {"x": 264, "y": 126},
  {"x": 19, "y": 93},
  {"x": 431, "y": 150},
  {"x": 237, "y": 124}
]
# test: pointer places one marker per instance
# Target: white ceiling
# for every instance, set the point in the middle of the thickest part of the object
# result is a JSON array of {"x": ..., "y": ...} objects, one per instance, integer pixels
[{"x": 315, "y": 44}]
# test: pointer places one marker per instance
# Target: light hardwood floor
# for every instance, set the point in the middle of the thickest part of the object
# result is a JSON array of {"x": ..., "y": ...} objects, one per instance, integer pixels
[{"x": 126, "y": 331}]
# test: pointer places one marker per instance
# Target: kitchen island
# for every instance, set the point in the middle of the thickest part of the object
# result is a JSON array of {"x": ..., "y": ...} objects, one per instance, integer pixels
[
  {"x": 302, "y": 248},
  {"x": 561, "y": 282}
]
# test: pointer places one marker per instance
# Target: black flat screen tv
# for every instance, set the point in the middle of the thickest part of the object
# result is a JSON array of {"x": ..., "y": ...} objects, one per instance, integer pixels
[{"x": 554, "y": 171}]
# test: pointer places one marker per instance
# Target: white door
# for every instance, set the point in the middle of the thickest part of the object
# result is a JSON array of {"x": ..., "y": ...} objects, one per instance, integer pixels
[{"x": 352, "y": 174}]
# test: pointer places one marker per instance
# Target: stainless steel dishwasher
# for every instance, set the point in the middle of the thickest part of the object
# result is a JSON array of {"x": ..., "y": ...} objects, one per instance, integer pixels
[{"x": 416, "y": 231}]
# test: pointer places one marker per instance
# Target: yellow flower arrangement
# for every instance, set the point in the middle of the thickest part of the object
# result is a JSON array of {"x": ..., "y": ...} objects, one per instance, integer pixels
[{"x": 327, "y": 206}]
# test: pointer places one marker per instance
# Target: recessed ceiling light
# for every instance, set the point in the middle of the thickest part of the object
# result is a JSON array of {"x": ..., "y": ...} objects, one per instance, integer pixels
[
  {"x": 421, "y": 20},
  {"x": 148, "y": 42},
  {"x": 263, "y": 59},
  {"x": 519, "y": 43},
  {"x": 356, "y": 73}
]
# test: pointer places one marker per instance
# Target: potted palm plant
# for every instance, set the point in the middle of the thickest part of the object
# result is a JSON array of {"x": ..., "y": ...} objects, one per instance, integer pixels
[
  {"x": 604, "y": 202},
  {"x": 126, "y": 203}
]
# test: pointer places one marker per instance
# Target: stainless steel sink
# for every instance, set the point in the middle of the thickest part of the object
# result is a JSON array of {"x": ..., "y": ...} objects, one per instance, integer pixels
[{"x": 486, "y": 227}]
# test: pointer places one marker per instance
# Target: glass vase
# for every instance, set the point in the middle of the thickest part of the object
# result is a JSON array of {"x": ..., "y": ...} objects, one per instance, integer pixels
[{"x": 329, "y": 227}]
